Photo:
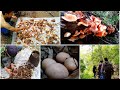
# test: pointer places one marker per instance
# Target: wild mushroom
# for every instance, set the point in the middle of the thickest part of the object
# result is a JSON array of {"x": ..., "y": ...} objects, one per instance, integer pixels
[
  {"x": 71, "y": 64},
  {"x": 82, "y": 36},
  {"x": 73, "y": 38},
  {"x": 46, "y": 62},
  {"x": 56, "y": 71},
  {"x": 67, "y": 34},
  {"x": 69, "y": 17},
  {"x": 62, "y": 56},
  {"x": 110, "y": 29},
  {"x": 83, "y": 22},
  {"x": 101, "y": 33},
  {"x": 79, "y": 14},
  {"x": 96, "y": 19}
]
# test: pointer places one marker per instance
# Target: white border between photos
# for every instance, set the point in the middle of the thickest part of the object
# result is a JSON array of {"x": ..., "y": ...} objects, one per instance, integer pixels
[
  {"x": 119, "y": 44},
  {"x": 0, "y": 42}
]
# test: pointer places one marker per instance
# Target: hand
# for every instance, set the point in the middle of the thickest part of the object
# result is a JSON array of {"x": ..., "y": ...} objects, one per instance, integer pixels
[
  {"x": 14, "y": 73},
  {"x": 14, "y": 17},
  {"x": 13, "y": 66},
  {"x": 8, "y": 70},
  {"x": 18, "y": 29}
]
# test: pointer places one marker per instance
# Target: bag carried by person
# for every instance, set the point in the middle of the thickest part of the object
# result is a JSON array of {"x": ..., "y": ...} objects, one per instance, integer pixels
[{"x": 108, "y": 68}]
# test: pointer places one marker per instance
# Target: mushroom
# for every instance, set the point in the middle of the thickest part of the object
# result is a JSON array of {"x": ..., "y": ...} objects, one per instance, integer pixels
[
  {"x": 76, "y": 33},
  {"x": 110, "y": 29},
  {"x": 71, "y": 64},
  {"x": 79, "y": 14},
  {"x": 102, "y": 27},
  {"x": 95, "y": 19},
  {"x": 83, "y": 22},
  {"x": 46, "y": 62},
  {"x": 69, "y": 17},
  {"x": 56, "y": 71},
  {"x": 62, "y": 56},
  {"x": 73, "y": 38},
  {"x": 67, "y": 34},
  {"x": 101, "y": 33},
  {"x": 82, "y": 36}
]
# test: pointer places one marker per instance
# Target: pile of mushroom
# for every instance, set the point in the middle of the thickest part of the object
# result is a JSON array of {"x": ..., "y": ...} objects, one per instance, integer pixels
[
  {"x": 93, "y": 26},
  {"x": 59, "y": 68},
  {"x": 42, "y": 30}
]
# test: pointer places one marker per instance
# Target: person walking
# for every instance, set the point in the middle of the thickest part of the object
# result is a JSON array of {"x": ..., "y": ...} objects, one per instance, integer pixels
[
  {"x": 94, "y": 71},
  {"x": 100, "y": 70},
  {"x": 108, "y": 69}
]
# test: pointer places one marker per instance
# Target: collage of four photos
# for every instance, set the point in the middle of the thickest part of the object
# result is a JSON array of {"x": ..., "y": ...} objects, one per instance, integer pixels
[{"x": 59, "y": 45}]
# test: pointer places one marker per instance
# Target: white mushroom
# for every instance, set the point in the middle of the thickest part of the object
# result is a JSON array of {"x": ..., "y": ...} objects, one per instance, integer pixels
[
  {"x": 56, "y": 71},
  {"x": 46, "y": 62},
  {"x": 67, "y": 34},
  {"x": 62, "y": 56},
  {"x": 71, "y": 64}
]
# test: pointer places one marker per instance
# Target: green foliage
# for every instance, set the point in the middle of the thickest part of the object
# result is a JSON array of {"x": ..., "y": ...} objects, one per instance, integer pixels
[
  {"x": 108, "y": 17},
  {"x": 82, "y": 66},
  {"x": 99, "y": 52}
]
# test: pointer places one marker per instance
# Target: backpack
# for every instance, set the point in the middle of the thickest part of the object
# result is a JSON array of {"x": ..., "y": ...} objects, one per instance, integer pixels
[{"x": 108, "y": 68}]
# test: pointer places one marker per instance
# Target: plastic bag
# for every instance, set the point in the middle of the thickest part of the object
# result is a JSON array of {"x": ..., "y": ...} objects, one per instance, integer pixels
[{"x": 22, "y": 57}]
